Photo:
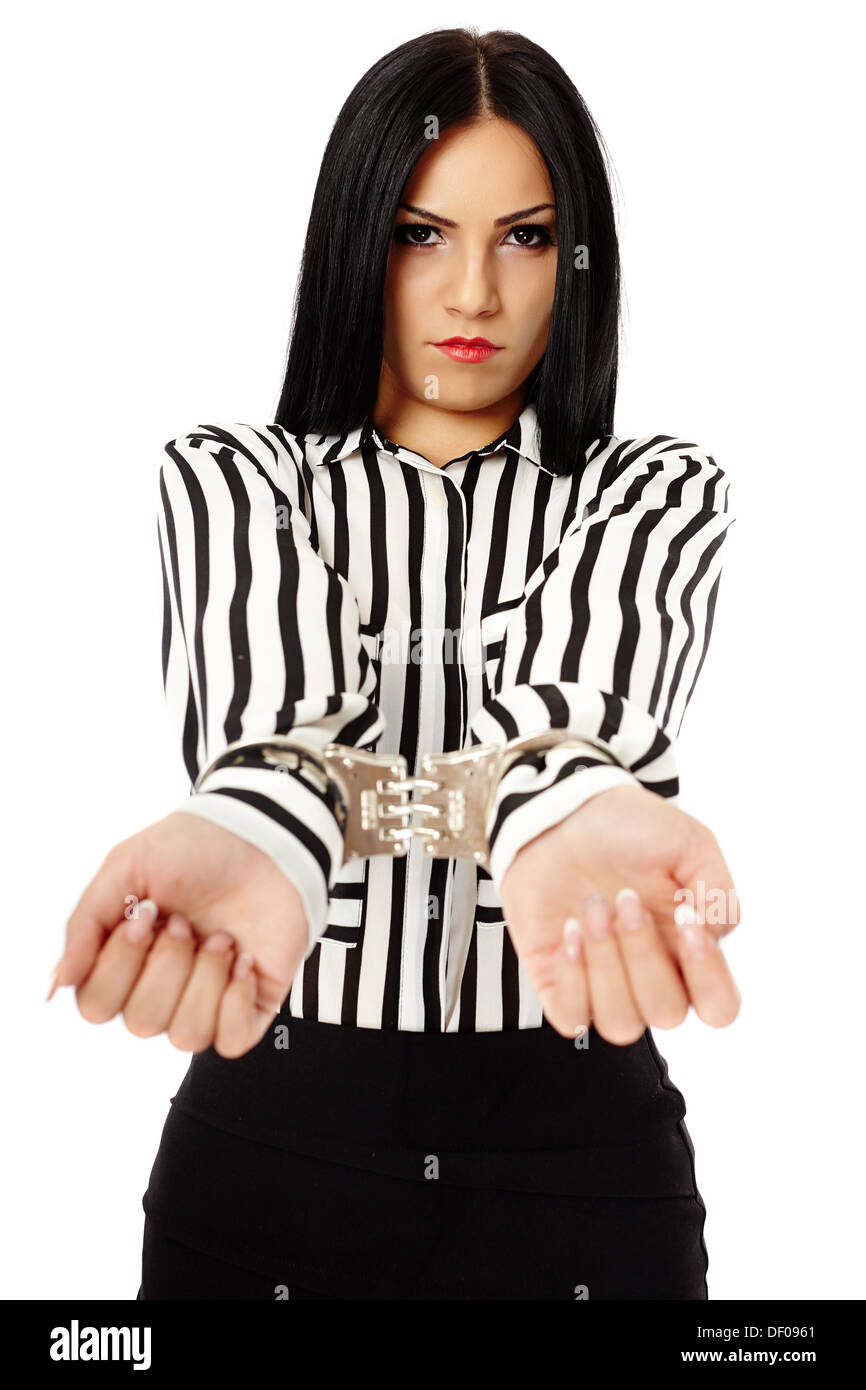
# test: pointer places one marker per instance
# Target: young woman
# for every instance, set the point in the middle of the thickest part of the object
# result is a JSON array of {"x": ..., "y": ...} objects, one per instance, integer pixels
[{"x": 426, "y": 1071}]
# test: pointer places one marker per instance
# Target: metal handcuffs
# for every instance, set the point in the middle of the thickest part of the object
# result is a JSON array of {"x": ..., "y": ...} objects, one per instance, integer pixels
[{"x": 458, "y": 789}]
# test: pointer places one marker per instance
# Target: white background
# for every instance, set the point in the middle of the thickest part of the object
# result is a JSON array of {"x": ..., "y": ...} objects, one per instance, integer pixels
[{"x": 159, "y": 166}]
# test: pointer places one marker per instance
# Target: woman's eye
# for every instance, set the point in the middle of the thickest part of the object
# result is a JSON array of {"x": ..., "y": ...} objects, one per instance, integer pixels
[
  {"x": 536, "y": 229},
  {"x": 403, "y": 234}
]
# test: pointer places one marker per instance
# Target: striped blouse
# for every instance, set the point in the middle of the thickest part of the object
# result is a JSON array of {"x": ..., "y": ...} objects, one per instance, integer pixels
[{"x": 345, "y": 587}]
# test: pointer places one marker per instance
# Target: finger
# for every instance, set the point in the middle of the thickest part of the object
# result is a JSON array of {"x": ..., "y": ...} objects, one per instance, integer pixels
[
  {"x": 615, "y": 1013},
  {"x": 566, "y": 1000},
  {"x": 707, "y": 886},
  {"x": 710, "y": 983},
  {"x": 118, "y": 965},
  {"x": 242, "y": 1021},
  {"x": 98, "y": 910},
  {"x": 194, "y": 1021},
  {"x": 157, "y": 991},
  {"x": 654, "y": 979}
]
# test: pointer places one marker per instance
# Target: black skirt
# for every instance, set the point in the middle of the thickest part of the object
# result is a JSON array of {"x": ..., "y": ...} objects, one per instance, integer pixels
[{"x": 353, "y": 1163}]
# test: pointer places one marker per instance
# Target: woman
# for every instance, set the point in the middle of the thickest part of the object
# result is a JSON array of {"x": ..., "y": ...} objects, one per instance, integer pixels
[{"x": 430, "y": 1075}]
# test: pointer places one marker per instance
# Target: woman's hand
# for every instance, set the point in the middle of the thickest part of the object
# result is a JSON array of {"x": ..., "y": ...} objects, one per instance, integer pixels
[
  {"x": 630, "y": 966},
  {"x": 205, "y": 882}
]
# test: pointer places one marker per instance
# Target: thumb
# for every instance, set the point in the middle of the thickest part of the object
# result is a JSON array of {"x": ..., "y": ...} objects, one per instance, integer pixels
[{"x": 101, "y": 906}]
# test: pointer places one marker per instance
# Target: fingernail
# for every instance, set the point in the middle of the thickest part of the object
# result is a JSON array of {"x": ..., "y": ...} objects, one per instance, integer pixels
[
  {"x": 52, "y": 983},
  {"x": 690, "y": 934},
  {"x": 243, "y": 965},
  {"x": 629, "y": 909},
  {"x": 138, "y": 928},
  {"x": 597, "y": 915},
  {"x": 571, "y": 938},
  {"x": 218, "y": 943},
  {"x": 139, "y": 924},
  {"x": 694, "y": 939},
  {"x": 177, "y": 927}
]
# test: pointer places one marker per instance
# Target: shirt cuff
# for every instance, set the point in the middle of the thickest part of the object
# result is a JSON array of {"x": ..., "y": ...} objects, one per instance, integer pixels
[
  {"x": 540, "y": 789},
  {"x": 279, "y": 812}
]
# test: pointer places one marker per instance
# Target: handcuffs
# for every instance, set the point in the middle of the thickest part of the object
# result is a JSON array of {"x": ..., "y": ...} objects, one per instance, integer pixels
[{"x": 372, "y": 794}]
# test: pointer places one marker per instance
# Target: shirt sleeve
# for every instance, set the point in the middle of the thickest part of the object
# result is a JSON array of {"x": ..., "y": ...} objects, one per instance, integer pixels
[
  {"x": 260, "y": 636},
  {"x": 610, "y": 638}
]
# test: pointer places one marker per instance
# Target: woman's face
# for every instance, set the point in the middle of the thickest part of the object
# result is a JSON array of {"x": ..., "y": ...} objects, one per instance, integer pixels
[{"x": 473, "y": 255}]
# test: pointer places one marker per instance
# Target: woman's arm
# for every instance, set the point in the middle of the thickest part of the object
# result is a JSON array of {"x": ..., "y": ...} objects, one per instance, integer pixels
[
  {"x": 611, "y": 635},
  {"x": 260, "y": 636}
]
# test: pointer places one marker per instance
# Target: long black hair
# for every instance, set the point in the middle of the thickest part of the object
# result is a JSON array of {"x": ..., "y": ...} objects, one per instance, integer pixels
[{"x": 335, "y": 349}]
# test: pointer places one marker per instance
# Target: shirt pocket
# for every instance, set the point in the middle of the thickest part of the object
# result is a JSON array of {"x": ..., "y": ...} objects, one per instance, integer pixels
[
  {"x": 489, "y": 913},
  {"x": 493, "y": 625},
  {"x": 346, "y": 904}
]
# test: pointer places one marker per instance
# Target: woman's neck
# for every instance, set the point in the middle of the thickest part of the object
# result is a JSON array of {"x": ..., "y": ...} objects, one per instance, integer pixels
[{"x": 439, "y": 434}]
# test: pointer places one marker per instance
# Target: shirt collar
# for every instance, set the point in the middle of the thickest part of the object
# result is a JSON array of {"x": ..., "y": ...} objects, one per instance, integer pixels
[{"x": 520, "y": 437}]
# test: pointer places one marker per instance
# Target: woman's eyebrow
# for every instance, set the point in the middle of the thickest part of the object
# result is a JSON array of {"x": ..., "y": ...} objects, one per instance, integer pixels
[{"x": 499, "y": 221}]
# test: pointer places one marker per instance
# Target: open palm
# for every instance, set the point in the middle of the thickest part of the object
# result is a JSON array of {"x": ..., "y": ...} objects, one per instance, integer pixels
[
  {"x": 636, "y": 966},
  {"x": 220, "y": 887}
]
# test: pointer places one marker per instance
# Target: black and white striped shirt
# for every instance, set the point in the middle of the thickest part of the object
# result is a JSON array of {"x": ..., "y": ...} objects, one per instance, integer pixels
[{"x": 316, "y": 584}]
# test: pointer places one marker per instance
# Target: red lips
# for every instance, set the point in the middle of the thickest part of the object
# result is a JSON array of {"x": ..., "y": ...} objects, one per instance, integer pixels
[{"x": 466, "y": 342}]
